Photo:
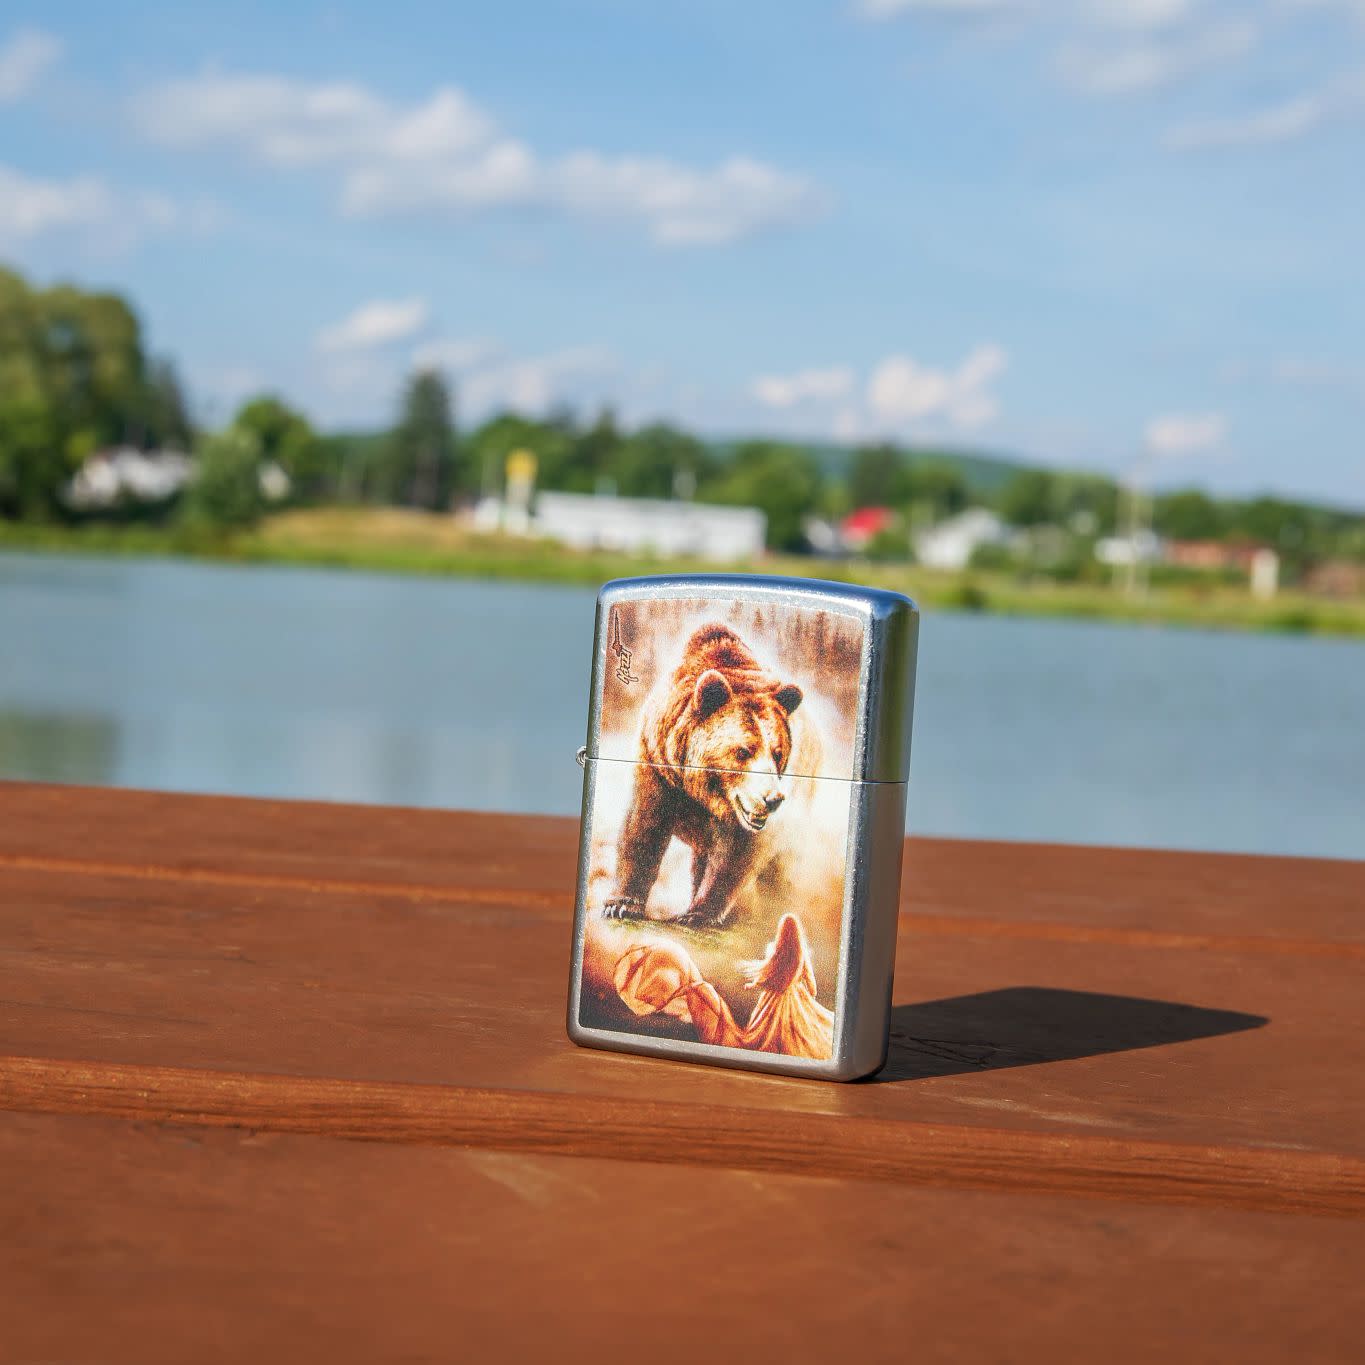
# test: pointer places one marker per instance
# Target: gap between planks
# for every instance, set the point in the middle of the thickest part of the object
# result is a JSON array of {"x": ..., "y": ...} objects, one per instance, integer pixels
[
  {"x": 553, "y": 1123},
  {"x": 943, "y": 926}
]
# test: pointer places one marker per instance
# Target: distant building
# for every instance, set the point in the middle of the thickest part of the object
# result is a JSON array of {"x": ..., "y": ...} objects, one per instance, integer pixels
[
  {"x": 1213, "y": 555},
  {"x": 588, "y": 521},
  {"x": 1142, "y": 547},
  {"x": 1260, "y": 563},
  {"x": 110, "y": 477},
  {"x": 1337, "y": 578},
  {"x": 860, "y": 528},
  {"x": 951, "y": 544}
]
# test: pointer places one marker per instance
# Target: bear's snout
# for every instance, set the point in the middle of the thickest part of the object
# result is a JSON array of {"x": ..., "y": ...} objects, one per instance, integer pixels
[{"x": 773, "y": 798}]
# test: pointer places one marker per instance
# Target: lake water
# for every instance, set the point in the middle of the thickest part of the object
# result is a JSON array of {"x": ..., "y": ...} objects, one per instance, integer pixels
[{"x": 438, "y": 692}]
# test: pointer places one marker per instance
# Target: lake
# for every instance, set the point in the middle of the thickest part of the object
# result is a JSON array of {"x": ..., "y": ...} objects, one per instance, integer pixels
[{"x": 351, "y": 686}]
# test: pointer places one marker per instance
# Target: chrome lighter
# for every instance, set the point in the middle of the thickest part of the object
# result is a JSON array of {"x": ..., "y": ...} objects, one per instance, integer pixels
[{"x": 743, "y": 817}]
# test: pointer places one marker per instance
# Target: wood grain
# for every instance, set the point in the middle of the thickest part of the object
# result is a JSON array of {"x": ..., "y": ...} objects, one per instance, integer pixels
[
  {"x": 400, "y": 976},
  {"x": 131, "y": 1243},
  {"x": 651, "y": 1131}
]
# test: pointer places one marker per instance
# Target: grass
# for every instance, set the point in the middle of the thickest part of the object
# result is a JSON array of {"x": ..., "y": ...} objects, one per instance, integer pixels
[{"x": 397, "y": 541}]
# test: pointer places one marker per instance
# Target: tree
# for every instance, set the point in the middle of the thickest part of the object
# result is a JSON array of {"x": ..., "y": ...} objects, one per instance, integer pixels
[
  {"x": 1188, "y": 514},
  {"x": 167, "y": 413},
  {"x": 33, "y": 466},
  {"x": 660, "y": 461},
  {"x": 1029, "y": 498},
  {"x": 1086, "y": 503},
  {"x": 877, "y": 477},
  {"x": 287, "y": 439},
  {"x": 936, "y": 486},
  {"x": 486, "y": 451},
  {"x": 419, "y": 466},
  {"x": 225, "y": 493},
  {"x": 784, "y": 481},
  {"x": 72, "y": 379},
  {"x": 93, "y": 367},
  {"x": 595, "y": 452}
]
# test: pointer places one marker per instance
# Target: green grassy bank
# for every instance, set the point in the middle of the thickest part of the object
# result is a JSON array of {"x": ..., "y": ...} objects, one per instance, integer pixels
[{"x": 420, "y": 543}]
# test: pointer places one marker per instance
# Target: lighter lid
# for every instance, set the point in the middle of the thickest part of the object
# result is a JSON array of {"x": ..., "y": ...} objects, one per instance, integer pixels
[{"x": 850, "y": 649}]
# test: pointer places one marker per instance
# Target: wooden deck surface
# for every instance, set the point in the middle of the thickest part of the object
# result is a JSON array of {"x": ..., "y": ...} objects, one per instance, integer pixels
[{"x": 1124, "y": 1112}]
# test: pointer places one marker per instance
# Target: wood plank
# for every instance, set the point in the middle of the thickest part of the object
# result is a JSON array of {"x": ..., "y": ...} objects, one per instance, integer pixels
[
  {"x": 649, "y": 1130},
  {"x": 122, "y": 1242},
  {"x": 270, "y": 941},
  {"x": 432, "y": 856}
]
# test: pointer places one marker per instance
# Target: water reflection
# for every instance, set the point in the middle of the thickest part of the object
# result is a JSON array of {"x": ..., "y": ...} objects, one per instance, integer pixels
[
  {"x": 59, "y": 747},
  {"x": 360, "y": 687}
]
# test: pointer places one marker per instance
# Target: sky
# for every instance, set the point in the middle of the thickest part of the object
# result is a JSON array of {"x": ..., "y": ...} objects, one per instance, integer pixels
[{"x": 1122, "y": 235}]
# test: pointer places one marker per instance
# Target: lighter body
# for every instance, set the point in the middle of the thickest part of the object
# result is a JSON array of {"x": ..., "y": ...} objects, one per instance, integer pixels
[{"x": 744, "y": 791}]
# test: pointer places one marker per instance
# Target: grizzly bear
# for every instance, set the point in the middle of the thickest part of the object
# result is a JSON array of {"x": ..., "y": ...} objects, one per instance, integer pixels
[{"x": 714, "y": 748}]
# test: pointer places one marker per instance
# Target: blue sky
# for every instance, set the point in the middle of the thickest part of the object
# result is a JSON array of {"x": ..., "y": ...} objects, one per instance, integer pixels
[{"x": 1116, "y": 234}]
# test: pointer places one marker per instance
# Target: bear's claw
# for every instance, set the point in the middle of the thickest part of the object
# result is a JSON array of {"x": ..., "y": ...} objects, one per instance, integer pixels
[
  {"x": 697, "y": 919},
  {"x": 623, "y": 907}
]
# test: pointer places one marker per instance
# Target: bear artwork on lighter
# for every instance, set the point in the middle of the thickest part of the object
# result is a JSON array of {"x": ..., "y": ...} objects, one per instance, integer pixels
[{"x": 718, "y": 844}]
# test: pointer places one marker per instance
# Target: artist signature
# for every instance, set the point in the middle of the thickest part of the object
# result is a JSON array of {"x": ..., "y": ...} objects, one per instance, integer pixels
[{"x": 622, "y": 653}]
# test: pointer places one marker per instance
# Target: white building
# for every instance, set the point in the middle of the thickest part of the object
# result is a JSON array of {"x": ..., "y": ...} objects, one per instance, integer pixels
[
  {"x": 1142, "y": 547},
  {"x": 587, "y": 521},
  {"x": 951, "y": 544},
  {"x": 125, "y": 475},
  {"x": 113, "y": 476}
]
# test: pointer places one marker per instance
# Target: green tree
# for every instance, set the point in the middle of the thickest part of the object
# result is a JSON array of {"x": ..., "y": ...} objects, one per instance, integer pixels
[
  {"x": 659, "y": 461},
  {"x": 783, "y": 481},
  {"x": 225, "y": 492},
  {"x": 878, "y": 476},
  {"x": 1029, "y": 499},
  {"x": 1086, "y": 503},
  {"x": 72, "y": 379},
  {"x": 287, "y": 439},
  {"x": 1188, "y": 514},
  {"x": 935, "y": 486},
  {"x": 419, "y": 467},
  {"x": 93, "y": 367},
  {"x": 166, "y": 409},
  {"x": 486, "y": 450},
  {"x": 595, "y": 453},
  {"x": 33, "y": 466}
]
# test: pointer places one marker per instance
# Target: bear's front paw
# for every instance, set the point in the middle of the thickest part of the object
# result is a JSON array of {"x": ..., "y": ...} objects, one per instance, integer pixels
[
  {"x": 623, "y": 907},
  {"x": 696, "y": 918}
]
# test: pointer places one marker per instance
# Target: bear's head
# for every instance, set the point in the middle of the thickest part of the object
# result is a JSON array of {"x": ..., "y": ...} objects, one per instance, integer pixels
[{"x": 739, "y": 744}]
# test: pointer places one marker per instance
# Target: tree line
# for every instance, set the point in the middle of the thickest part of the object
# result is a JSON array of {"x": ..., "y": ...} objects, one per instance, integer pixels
[{"x": 75, "y": 378}]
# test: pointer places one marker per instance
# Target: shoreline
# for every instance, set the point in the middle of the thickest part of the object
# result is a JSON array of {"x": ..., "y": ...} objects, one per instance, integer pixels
[{"x": 421, "y": 544}]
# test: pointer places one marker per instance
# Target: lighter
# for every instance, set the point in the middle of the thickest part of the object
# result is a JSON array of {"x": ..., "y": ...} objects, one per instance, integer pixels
[{"x": 743, "y": 818}]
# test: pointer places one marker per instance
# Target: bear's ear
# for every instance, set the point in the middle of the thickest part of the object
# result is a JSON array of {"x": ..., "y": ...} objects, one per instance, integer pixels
[
  {"x": 789, "y": 697},
  {"x": 712, "y": 692}
]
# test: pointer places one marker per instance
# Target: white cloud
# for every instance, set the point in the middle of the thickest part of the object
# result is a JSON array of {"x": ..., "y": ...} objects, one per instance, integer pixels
[
  {"x": 902, "y": 390},
  {"x": 1145, "y": 65},
  {"x": 1130, "y": 14},
  {"x": 375, "y": 324},
  {"x": 1106, "y": 47},
  {"x": 786, "y": 390},
  {"x": 1318, "y": 374},
  {"x": 457, "y": 356},
  {"x": 1139, "y": 14},
  {"x": 891, "y": 9},
  {"x": 88, "y": 207},
  {"x": 446, "y": 157},
  {"x": 1178, "y": 434},
  {"x": 25, "y": 59},
  {"x": 898, "y": 394},
  {"x": 30, "y": 206},
  {"x": 1278, "y": 123}
]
